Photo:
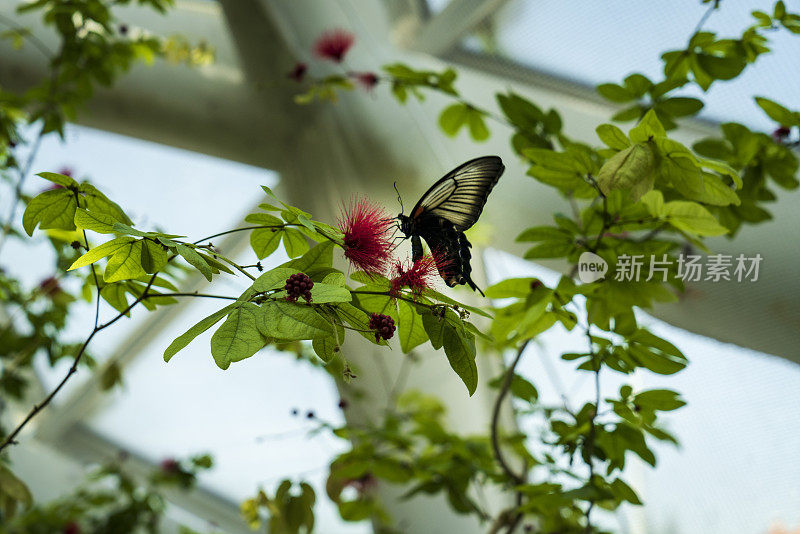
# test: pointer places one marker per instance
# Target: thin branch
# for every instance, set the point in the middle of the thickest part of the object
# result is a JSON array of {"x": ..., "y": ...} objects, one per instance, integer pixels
[
  {"x": 11, "y": 438},
  {"x": 714, "y": 5},
  {"x": 498, "y": 452}
]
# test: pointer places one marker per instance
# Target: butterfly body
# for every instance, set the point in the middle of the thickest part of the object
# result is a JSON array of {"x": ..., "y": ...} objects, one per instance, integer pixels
[{"x": 451, "y": 206}]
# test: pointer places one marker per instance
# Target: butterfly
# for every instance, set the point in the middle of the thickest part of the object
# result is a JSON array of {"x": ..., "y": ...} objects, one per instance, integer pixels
[{"x": 450, "y": 207}]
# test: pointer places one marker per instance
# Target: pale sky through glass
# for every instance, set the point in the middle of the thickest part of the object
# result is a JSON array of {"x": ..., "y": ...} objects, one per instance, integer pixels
[{"x": 591, "y": 42}]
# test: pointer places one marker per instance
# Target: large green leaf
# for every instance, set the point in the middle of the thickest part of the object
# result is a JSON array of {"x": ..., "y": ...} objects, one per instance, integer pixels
[
  {"x": 126, "y": 263},
  {"x": 459, "y": 346},
  {"x": 323, "y": 293},
  {"x": 101, "y": 251},
  {"x": 201, "y": 326},
  {"x": 96, "y": 222},
  {"x": 630, "y": 169},
  {"x": 97, "y": 202},
  {"x": 613, "y": 137},
  {"x": 51, "y": 209},
  {"x": 290, "y": 321},
  {"x": 239, "y": 337},
  {"x": 265, "y": 241},
  {"x": 410, "y": 328},
  {"x": 195, "y": 260},
  {"x": 320, "y": 256},
  {"x": 274, "y": 279},
  {"x": 692, "y": 218},
  {"x": 295, "y": 242},
  {"x": 60, "y": 179}
]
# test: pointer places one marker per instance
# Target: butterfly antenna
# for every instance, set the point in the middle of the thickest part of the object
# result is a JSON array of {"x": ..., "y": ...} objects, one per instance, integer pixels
[{"x": 399, "y": 198}]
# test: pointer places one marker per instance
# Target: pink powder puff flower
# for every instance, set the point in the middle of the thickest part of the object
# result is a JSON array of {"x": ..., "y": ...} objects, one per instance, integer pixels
[
  {"x": 366, "y": 226},
  {"x": 333, "y": 45}
]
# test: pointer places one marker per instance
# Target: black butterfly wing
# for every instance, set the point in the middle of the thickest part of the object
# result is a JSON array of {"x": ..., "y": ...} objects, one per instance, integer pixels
[
  {"x": 449, "y": 247},
  {"x": 460, "y": 195}
]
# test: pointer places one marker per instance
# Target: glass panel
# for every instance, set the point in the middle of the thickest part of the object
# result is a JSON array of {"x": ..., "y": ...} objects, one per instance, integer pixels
[{"x": 589, "y": 43}]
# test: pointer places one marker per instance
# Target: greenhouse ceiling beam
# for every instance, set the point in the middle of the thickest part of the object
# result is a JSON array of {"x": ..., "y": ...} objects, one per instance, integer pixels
[{"x": 443, "y": 31}]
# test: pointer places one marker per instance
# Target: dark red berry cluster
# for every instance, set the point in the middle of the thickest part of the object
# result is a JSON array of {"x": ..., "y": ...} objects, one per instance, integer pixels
[
  {"x": 298, "y": 285},
  {"x": 383, "y": 325}
]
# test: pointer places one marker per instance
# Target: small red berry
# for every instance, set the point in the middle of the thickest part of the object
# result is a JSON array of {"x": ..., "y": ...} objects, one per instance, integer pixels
[
  {"x": 298, "y": 72},
  {"x": 170, "y": 465},
  {"x": 310, "y": 415},
  {"x": 368, "y": 80},
  {"x": 343, "y": 404},
  {"x": 298, "y": 285},
  {"x": 71, "y": 528},
  {"x": 50, "y": 286},
  {"x": 536, "y": 284},
  {"x": 383, "y": 325},
  {"x": 781, "y": 133}
]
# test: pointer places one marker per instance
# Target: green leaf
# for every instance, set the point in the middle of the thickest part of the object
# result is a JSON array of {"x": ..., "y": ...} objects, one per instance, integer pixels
[
  {"x": 239, "y": 337},
  {"x": 722, "y": 168},
  {"x": 548, "y": 249},
  {"x": 654, "y": 202},
  {"x": 681, "y": 106},
  {"x": 60, "y": 179},
  {"x": 15, "y": 489},
  {"x": 274, "y": 279},
  {"x": 101, "y": 251},
  {"x": 126, "y": 263},
  {"x": 264, "y": 219},
  {"x": 615, "y": 93},
  {"x": 323, "y": 293},
  {"x": 290, "y": 321},
  {"x": 195, "y": 260},
  {"x": 631, "y": 169},
  {"x": 716, "y": 192},
  {"x": 326, "y": 347},
  {"x": 778, "y": 113},
  {"x": 523, "y": 389},
  {"x": 459, "y": 346},
  {"x": 295, "y": 242},
  {"x": 51, "y": 209},
  {"x": 692, "y": 218},
  {"x": 720, "y": 68},
  {"x": 96, "y": 222},
  {"x": 335, "y": 279},
  {"x": 477, "y": 125},
  {"x": 97, "y": 202},
  {"x": 638, "y": 84},
  {"x": 683, "y": 174},
  {"x": 613, "y": 137},
  {"x": 659, "y": 399},
  {"x": 512, "y": 287},
  {"x": 628, "y": 114},
  {"x": 320, "y": 256},
  {"x": 201, "y": 326},
  {"x": 453, "y": 118},
  {"x": 648, "y": 128},
  {"x": 265, "y": 241},
  {"x": 154, "y": 257},
  {"x": 434, "y": 327},
  {"x": 410, "y": 328}
]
